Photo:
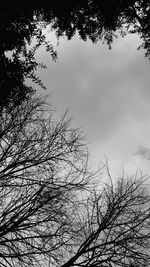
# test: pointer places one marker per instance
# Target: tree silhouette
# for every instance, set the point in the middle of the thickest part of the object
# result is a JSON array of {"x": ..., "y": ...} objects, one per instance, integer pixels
[
  {"x": 53, "y": 210},
  {"x": 115, "y": 227},
  {"x": 43, "y": 166},
  {"x": 96, "y": 20},
  {"x": 92, "y": 19},
  {"x": 17, "y": 54}
]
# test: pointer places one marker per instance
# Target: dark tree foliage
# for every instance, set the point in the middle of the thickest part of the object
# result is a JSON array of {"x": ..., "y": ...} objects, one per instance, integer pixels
[
  {"x": 99, "y": 20},
  {"x": 12, "y": 87},
  {"x": 18, "y": 29},
  {"x": 94, "y": 19}
]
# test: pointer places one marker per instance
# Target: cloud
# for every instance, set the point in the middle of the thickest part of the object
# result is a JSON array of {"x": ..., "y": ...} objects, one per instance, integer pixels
[
  {"x": 106, "y": 91},
  {"x": 143, "y": 152}
]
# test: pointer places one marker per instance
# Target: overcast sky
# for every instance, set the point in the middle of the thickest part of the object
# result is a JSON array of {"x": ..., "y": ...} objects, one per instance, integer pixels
[{"x": 108, "y": 96}]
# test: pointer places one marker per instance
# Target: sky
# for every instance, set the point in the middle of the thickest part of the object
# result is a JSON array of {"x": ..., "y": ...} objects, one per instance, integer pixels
[{"x": 107, "y": 95}]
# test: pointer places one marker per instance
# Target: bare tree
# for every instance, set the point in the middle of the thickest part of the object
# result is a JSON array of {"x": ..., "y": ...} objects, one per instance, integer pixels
[
  {"x": 43, "y": 167},
  {"x": 52, "y": 213},
  {"x": 115, "y": 226}
]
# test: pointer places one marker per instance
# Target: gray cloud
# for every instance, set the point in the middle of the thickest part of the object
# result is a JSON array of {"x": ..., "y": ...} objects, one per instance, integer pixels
[{"x": 106, "y": 91}]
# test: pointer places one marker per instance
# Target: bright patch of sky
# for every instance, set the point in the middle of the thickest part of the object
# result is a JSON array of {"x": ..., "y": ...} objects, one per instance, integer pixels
[{"x": 107, "y": 94}]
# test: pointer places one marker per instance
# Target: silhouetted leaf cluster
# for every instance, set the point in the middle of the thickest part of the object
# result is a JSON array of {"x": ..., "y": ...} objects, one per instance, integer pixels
[
  {"x": 93, "y": 19},
  {"x": 18, "y": 29}
]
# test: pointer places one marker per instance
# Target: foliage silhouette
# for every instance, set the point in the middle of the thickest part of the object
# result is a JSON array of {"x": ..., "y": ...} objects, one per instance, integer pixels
[
  {"x": 90, "y": 18},
  {"x": 17, "y": 54}
]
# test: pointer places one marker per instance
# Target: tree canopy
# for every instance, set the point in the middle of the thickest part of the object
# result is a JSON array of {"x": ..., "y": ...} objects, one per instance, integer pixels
[
  {"x": 92, "y": 19},
  {"x": 53, "y": 210}
]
